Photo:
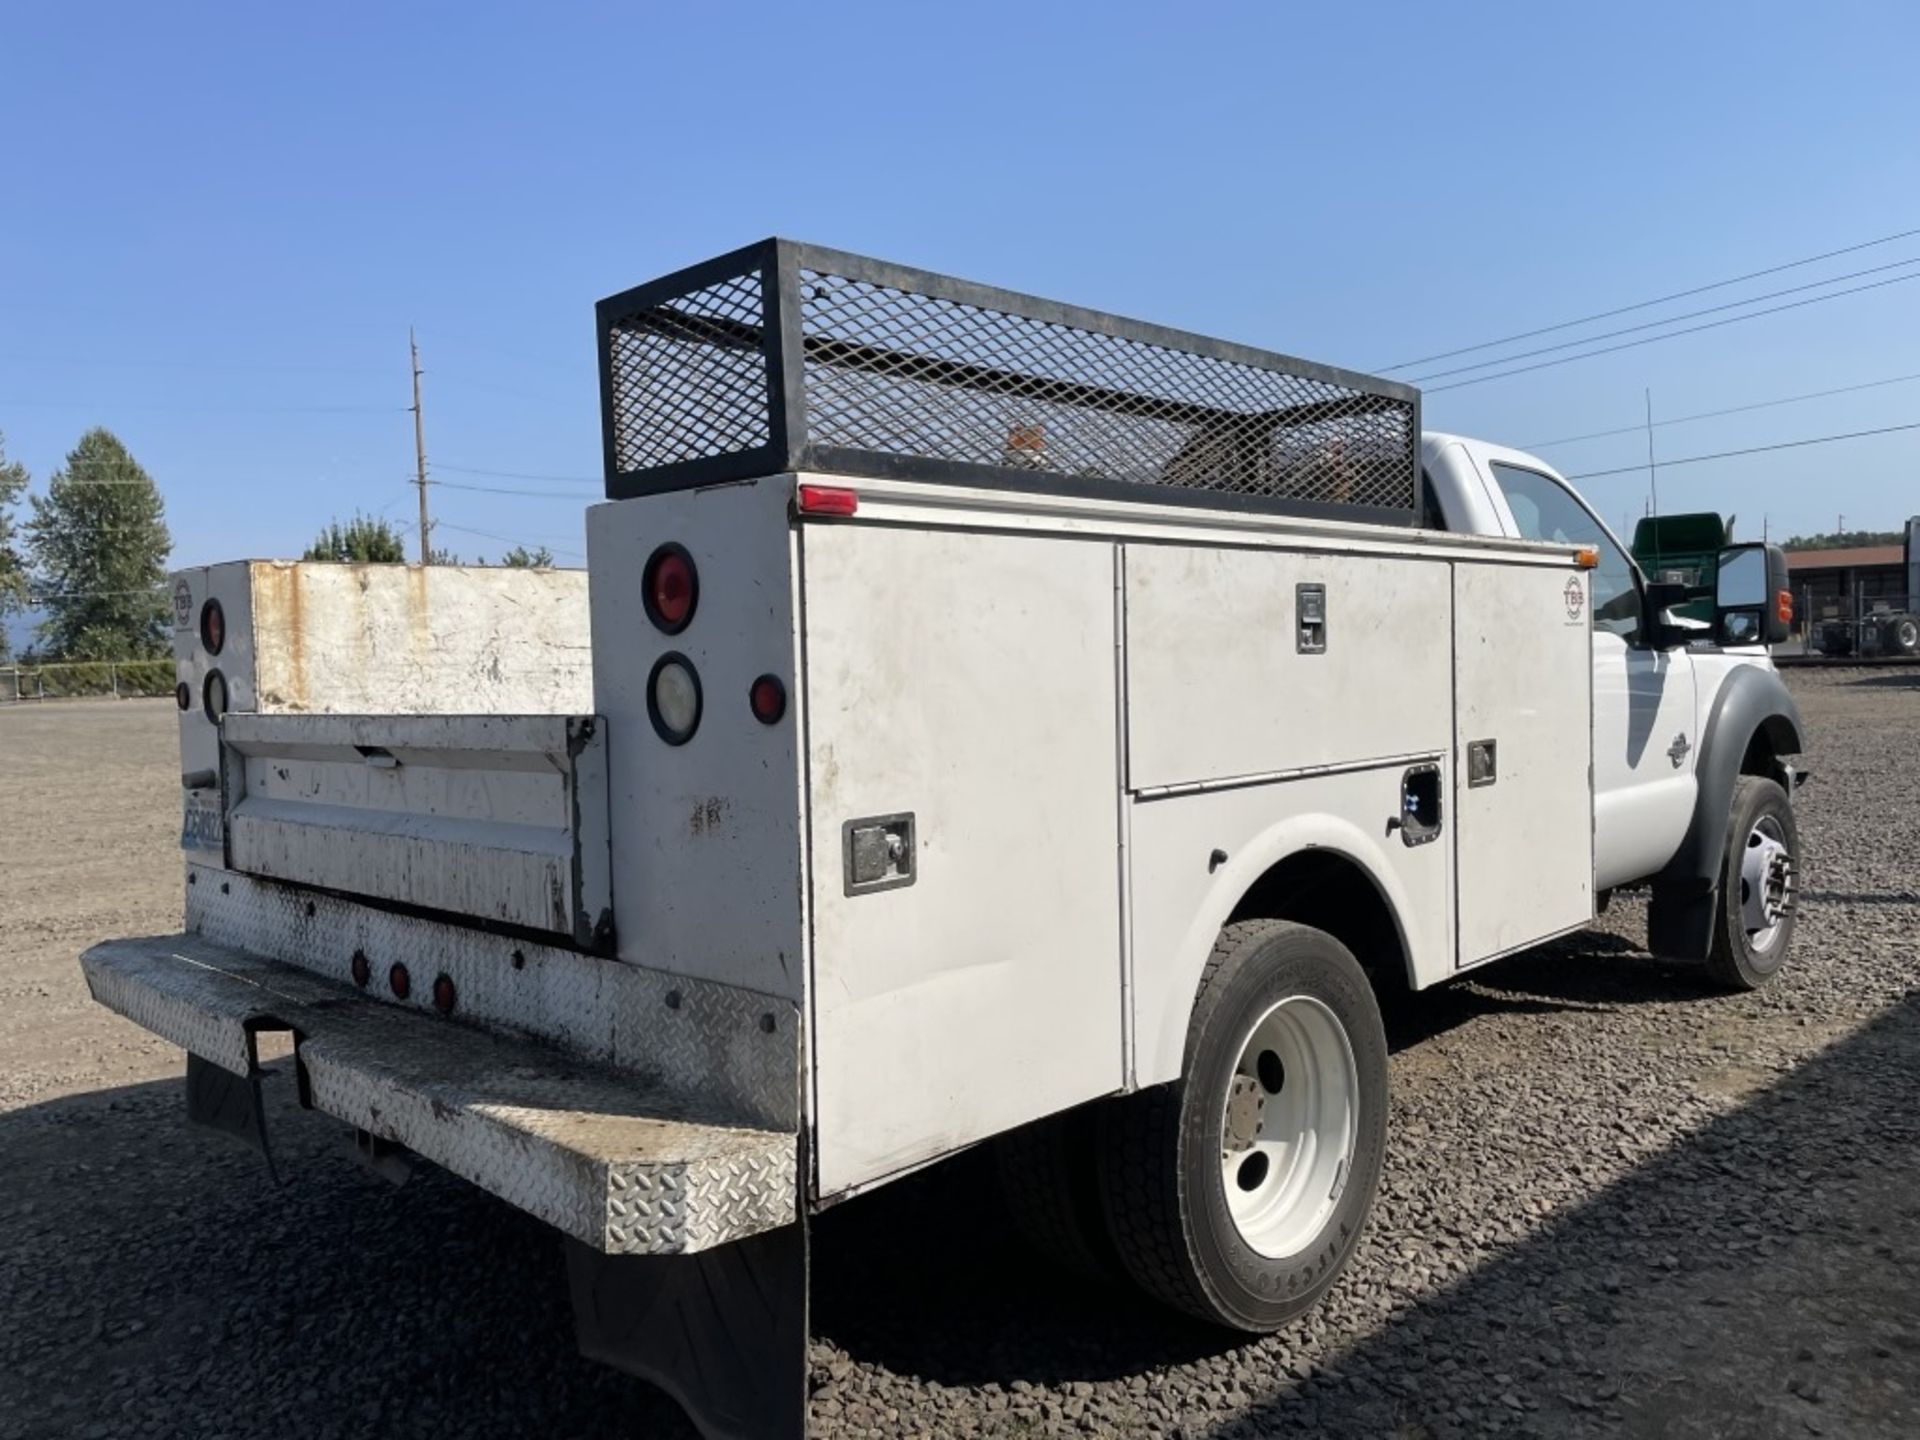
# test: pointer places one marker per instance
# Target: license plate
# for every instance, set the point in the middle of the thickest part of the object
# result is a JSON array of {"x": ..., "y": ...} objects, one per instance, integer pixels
[{"x": 201, "y": 826}]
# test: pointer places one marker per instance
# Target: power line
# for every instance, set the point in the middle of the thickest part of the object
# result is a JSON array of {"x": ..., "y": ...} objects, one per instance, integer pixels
[
  {"x": 117, "y": 406},
  {"x": 1752, "y": 450},
  {"x": 1670, "y": 335},
  {"x": 520, "y": 474},
  {"x": 506, "y": 539},
  {"x": 1648, "y": 304},
  {"x": 509, "y": 490},
  {"x": 1668, "y": 320},
  {"x": 1716, "y": 414}
]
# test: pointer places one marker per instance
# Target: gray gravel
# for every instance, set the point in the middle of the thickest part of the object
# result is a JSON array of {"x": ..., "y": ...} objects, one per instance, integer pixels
[{"x": 1615, "y": 1202}]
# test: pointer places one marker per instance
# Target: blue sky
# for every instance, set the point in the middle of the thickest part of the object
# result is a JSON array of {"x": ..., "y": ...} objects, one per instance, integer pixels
[{"x": 217, "y": 222}]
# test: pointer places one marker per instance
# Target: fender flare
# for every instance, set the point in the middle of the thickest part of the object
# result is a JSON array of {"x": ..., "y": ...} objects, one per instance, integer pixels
[
  {"x": 1751, "y": 700},
  {"x": 1161, "y": 1033}
]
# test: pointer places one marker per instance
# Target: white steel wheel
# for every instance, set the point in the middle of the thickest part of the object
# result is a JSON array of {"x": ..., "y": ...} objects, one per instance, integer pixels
[
  {"x": 1285, "y": 1087},
  {"x": 1766, "y": 882},
  {"x": 1753, "y": 919},
  {"x": 1288, "y": 1126}
]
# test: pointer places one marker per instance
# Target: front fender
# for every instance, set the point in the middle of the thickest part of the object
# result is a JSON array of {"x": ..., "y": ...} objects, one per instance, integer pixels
[{"x": 1751, "y": 699}]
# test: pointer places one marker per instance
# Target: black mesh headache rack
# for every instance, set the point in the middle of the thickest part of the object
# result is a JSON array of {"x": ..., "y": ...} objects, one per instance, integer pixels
[{"x": 785, "y": 356}]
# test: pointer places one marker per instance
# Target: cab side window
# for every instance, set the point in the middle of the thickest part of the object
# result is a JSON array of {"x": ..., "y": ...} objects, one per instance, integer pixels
[{"x": 1544, "y": 509}]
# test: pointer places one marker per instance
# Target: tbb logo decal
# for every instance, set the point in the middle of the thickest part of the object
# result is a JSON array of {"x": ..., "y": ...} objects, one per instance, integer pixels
[{"x": 1576, "y": 593}]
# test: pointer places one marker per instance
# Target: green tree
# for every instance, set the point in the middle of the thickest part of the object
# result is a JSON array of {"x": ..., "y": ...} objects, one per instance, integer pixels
[
  {"x": 1844, "y": 539},
  {"x": 365, "y": 539},
  {"x": 521, "y": 558},
  {"x": 13, "y": 564},
  {"x": 99, "y": 544}
]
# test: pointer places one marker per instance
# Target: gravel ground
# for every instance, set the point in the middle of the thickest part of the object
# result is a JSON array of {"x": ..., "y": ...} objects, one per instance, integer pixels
[{"x": 1615, "y": 1202}]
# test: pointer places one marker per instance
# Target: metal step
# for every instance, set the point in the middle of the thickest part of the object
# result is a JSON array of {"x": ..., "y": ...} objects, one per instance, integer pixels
[{"x": 602, "y": 1155}]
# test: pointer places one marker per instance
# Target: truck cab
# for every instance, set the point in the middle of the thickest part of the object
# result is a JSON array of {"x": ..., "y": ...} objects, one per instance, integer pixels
[{"x": 1677, "y": 719}]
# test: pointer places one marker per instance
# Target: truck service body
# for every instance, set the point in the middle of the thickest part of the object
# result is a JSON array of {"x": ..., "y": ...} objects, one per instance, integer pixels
[{"x": 983, "y": 720}]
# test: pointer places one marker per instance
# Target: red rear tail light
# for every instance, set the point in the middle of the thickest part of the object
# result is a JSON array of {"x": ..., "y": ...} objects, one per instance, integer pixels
[
  {"x": 399, "y": 981},
  {"x": 768, "y": 699},
  {"x": 443, "y": 994},
  {"x": 213, "y": 627},
  {"x": 828, "y": 500},
  {"x": 670, "y": 588}
]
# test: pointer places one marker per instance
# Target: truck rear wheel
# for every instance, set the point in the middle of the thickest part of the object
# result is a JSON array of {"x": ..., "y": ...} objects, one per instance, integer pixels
[
  {"x": 1238, "y": 1192},
  {"x": 1754, "y": 923},
  {"x": 1049, "y": 1181},
  {"x": 1901, "y": 635}
]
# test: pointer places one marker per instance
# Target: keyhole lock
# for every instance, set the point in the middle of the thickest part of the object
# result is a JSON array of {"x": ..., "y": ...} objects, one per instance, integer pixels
[{"x": 878, "y": 852}]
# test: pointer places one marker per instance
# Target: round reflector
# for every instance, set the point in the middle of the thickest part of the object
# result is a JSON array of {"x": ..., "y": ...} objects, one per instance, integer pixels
[
  {"x": 213, "y": 695},
  {"x": 183, "y": 695},
  {"x": 768, "y": 697},
  {"x": 671, "y": 588},
  {"x": 673, "y": 698},
  {"x": 399, "y": 981},
  {"x": 443, "y": 994},
  {"x": 213, "y": 627},
  {"x": 362, "y": 969}
]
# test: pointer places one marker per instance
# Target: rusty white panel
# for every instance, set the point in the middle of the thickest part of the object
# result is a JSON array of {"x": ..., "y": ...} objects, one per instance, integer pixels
[
  {"x": 1217, "y": 687},
  {"x": 597, "y": 1154},
  {"x": 723, "y": 1047},
  {"x": 1523, "y": 678},
  {"x": 1183, "y": 893},
  {"x": 500, "y": 817},
  {"x": 968, "y": 679},
  {"x": 706, "y": 835},
  {"x": 410, "y": 639}
]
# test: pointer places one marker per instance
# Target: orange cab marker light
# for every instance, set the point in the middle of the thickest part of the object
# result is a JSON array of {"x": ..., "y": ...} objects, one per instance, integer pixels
[
  {"x": 1587, "y": 557},
  {"x": 1783, "y": 606},
  {"x": 828, "y": 500}
]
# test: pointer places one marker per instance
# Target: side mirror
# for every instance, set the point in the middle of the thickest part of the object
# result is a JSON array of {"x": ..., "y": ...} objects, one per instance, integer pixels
[{"x": 1752, "y": 599}]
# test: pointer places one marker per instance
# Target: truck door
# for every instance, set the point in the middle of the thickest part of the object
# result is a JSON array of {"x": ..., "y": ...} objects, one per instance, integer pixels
[{"x": 1644, "y": 721}]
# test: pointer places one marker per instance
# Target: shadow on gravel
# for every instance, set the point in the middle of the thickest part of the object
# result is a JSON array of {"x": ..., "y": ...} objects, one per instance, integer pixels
[
  {"x": 1760, "y": 1279},
  {"x": 155, "y": 1281},
  {"x": 1757, "y": 1280},
  {"x": 1890, "y": 680}
]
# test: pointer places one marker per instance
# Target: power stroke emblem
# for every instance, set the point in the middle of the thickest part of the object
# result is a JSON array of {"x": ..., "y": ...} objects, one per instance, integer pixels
[
  {"x": 1576, "y": 593},
  {"x": 1677, "y": 751}
]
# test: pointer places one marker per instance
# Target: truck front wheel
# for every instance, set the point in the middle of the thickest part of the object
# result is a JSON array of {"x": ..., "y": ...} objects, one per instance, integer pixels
[
  {"x": 1753, "y": 925},
  {"x": 1238, "y": 1192}
]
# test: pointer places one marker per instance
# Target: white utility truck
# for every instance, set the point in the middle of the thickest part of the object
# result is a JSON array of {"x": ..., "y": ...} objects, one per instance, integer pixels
[{"x": 984, "y": 719}]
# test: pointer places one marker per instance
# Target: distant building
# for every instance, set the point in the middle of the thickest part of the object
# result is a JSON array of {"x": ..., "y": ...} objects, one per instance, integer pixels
[{"x": 1840, "y": 584}]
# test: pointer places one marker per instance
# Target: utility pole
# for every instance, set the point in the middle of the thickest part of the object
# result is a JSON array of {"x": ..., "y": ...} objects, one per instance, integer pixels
[
  {"x": 419, "y": 444},
  {"x": 1653, "y": 471}
]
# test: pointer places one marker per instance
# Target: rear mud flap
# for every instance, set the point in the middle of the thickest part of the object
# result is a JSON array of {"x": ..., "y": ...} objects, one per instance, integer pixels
[
  {"x": 221, "y": 1100},
  {"x": 723, "y": 1331}
]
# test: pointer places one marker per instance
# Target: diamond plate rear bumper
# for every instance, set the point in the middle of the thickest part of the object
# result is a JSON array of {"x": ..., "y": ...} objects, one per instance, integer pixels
[{"x": 604, "y": 1156}]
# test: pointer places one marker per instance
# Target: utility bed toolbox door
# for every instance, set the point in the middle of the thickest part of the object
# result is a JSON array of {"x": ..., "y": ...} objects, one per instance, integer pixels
[
  {"x": 1523, "y": 767},
  {"x": 493, "y": 817}
]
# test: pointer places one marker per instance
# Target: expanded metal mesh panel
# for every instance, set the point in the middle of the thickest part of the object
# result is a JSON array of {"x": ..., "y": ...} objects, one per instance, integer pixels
[
  {"x": 797, "y": 358},
  {"x": 911, "y": 374},
  {"x": 687, "y": 377}
]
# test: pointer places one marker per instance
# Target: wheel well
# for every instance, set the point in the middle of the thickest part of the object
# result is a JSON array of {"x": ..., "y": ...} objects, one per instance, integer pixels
[
  {"x": 1772, "y": 738},
  {"x": 1331, "y": 892}
]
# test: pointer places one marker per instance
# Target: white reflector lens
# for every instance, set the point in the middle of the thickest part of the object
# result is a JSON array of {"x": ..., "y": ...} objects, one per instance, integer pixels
[{"x": 673, "y": 699}]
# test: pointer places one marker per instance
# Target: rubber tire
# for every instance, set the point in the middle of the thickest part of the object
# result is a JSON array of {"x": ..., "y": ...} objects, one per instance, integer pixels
[
  {"x": 1049, "y": 1182},
  {"x": 1900, "y": 636},
  {"x": 1732, "y": 961},
  {"x": 1161, "y": 1181}
]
